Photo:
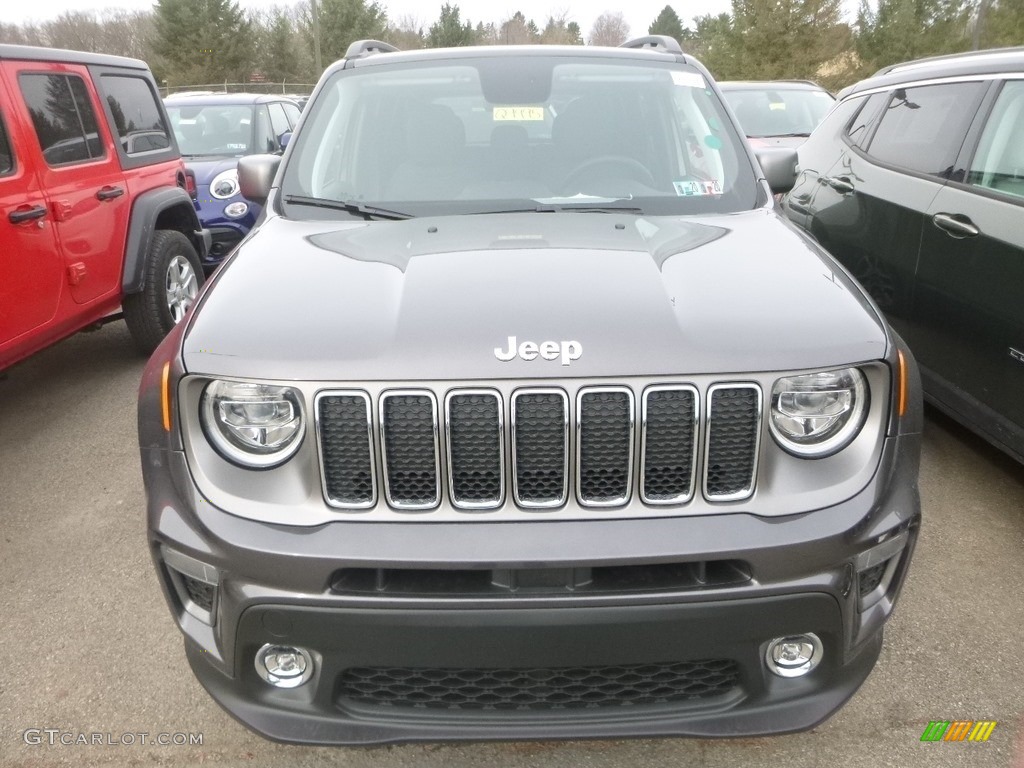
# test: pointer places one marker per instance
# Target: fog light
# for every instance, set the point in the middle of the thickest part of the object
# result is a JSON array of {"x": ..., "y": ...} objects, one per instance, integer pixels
[
  {"x": 236, "y": 210},
  {"x": 284, "y": 666},
  {"x": 794, "y": 655}
]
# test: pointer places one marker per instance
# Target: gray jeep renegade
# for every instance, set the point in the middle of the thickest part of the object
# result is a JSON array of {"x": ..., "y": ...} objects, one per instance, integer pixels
[{"x": 522, "y": 414}]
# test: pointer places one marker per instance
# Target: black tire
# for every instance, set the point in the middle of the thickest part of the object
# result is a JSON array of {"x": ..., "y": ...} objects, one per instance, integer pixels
[{"x": 171, "y": 276}]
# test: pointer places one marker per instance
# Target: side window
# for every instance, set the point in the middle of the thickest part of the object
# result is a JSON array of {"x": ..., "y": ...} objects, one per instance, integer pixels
[
  {"x": 858, "y": 131},
  {"x": 265, "y": 140},
  {"x": 999, "y": 161},
  {"x": 278, "y": 121},
  {"x": 63, "y": 117},
  {"x": 923, "y": 128},
  {"x": 6, "y": 155},
  {"x": 137, "y": 118},
  {"x": 293, "y": 113}
]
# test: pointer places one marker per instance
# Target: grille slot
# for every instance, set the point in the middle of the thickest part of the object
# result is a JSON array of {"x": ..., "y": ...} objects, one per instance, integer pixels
[
  {"x": 604, "y": 464},
  {"x": 514, "y": 689},
  {"x": 540, "y": 447},
  {"x": 346, "y": 445},
  {"x": 476, "y": 456},
  {"x": 669, "y": 463},
  {"x": 408, "y": 422},
  {"x": 733, "y": 431}
]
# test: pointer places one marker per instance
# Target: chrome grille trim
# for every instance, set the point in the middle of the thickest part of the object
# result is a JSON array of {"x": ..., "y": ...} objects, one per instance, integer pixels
[
  {"x": 709, "y": 426},
  {"x": 500, "y": 499},
  {"x": 356, "y": 393},
  {"x": 631, "y": 405},
  {"x": 695, "y": 425},
  {"x": 382, "y": 411},
  {"x": 564, "y": 497}
]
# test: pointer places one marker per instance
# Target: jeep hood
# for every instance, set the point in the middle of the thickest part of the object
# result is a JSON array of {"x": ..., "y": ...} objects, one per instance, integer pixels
[{"x": 435, "y": 298}]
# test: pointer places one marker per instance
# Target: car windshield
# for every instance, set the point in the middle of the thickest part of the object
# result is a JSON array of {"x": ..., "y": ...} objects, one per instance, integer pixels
[
  {"x": 518, "y": 133},
  {"x": 767, "y": 112},
  {"x": 212, "y": 130}
]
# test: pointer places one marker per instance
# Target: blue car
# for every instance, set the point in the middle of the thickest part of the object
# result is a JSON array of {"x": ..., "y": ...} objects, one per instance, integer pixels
[{"x": 215, "y": 129}]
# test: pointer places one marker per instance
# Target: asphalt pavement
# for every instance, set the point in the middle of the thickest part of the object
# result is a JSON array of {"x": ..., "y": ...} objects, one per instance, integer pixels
[{"x": 89, "y": 652}]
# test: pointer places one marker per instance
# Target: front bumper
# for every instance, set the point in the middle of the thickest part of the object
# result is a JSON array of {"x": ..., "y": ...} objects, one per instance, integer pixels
[{"x": 277, "y": 584}]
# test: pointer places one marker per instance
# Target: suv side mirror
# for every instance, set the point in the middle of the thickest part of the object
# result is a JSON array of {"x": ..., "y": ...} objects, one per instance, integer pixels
[
  {"x": 284, "y": 139},
  {"x": 778, "y": 164},
  {"x": 256, "y": 174}
]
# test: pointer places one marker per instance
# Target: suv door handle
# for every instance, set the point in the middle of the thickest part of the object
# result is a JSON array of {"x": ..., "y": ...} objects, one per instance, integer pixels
[
  {"x": 28, "y": 214},
  {"x": 840, "y": 184},
  {"x": 109, "y": 193},
  {"x": 955, "y": 225}
]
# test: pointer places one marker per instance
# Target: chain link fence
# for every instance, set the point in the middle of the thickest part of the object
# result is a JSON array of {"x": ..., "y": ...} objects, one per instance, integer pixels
[{"x": 285, "y": 87}]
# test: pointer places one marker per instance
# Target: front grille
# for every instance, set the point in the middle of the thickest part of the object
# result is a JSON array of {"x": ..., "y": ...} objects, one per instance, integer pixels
[
  {"x": 476, "y": 457},
  {"x": 409, "y": 429},
  {"x": 605, "y": 428},
  {"x": 540, "y": 437},
  {"x": 734, "y": 424},
  {"x": 399, "y": 446},
  {"x": 539, "y": 688}
]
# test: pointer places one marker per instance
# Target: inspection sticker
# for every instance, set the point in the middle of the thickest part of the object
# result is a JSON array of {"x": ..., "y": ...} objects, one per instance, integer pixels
[
  {"x": 518, "y": 114},
  {"x": 688, "y": 79},
  {"x": 697, "y": 188}
]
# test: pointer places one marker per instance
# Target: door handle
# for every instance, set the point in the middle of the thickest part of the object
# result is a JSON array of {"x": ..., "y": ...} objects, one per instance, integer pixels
[
  {"x": 840, "y": 184},
  {"x": 28, "y": 214},
  {"x": 955, "y": 225},
  {"x": 109, "y": 193}
]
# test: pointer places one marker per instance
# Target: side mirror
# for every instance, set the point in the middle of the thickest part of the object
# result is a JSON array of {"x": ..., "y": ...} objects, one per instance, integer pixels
[
  {"x": 256, "y": 175},
  {"x": 778, "y": 164},
  {"x": 284, "y": 139}
]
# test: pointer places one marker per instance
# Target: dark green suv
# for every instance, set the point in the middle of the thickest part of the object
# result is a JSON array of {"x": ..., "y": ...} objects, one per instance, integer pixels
[{"x": 915, "y": 181}]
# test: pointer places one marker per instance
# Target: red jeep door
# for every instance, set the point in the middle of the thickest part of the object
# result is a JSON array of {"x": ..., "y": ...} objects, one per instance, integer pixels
[
  {"x": 80, "y": 173},
  {"x": 31, "y": 269}
]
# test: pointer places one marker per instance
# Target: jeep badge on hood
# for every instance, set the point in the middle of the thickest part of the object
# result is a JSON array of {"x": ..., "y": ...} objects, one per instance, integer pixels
[{"x": 549, "y": 350}]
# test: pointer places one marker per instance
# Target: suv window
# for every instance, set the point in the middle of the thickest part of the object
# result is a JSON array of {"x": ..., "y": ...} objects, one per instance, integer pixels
[
  {"x": 6, "y": 155},
  {"x": 140, "y": 126},
  {"x": 923, "y": 128},
  {"x": 278, "y": 120},
  {"x": 858, "y": 131},
  {"x": 293, "y": 113},
  {"x": 999, "y": 161},
  {"x": 63, "y": 117}
]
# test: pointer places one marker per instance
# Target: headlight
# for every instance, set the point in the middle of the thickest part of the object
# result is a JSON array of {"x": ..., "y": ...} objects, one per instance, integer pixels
[
  {"x": 818, "y": 414},
  {"x": 236, "y": 210},
  {"x": 254, "y": 425},
  {"x": 225, "y": 184}
]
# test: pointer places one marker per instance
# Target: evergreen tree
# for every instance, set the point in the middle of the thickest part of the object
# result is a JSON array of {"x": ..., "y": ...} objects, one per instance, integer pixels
[
  {"x": 449, "y": 31},
  {"x": 341, "y": 23},
  {"x": 518, "y": 31},
  {"x": 1000, "y": 23},
  {"x": 667, "y": 23},
  {"x": 202, "y": 41},
  {"x": 901, "y": 30}
]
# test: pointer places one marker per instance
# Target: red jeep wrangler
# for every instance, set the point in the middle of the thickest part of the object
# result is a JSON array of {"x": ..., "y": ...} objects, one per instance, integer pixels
[{"x": 92, "y": 193}]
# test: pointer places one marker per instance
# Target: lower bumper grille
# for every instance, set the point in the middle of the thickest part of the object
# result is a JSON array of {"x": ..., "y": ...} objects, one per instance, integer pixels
[{"x": 539, "y": 688}]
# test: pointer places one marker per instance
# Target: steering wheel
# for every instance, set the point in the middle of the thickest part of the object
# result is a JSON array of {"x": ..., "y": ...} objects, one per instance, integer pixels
[{"x": 632, "y": 168}]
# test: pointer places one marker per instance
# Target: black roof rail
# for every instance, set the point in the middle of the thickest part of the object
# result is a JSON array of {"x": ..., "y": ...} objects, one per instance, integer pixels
[
  {"x": 366, "y": 47},
  {"x": 655, "y": 42}
]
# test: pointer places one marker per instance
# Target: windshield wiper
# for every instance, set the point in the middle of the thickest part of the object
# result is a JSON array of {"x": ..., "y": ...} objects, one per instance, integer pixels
[
  {"x": 366, "y": 211},
  {"x": 570, "y": 209}
]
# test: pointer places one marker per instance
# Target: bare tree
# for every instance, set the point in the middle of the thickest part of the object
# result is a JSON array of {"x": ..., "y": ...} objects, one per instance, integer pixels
[
  {"x": 609, "y": 29},
  {"x": 405, "y": 33}
]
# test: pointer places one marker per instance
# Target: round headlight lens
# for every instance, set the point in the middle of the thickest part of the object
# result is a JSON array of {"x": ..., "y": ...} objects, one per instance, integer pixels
[
  {"x": 818, "y": 414},
  {"x": 255, "y": 425},
  {"x": 236, "y": 210},
  {"x": 225, "y": 184}
]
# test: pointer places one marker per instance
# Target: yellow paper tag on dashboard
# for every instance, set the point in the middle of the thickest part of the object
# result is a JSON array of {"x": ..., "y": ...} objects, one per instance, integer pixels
[{"x": 518, "y": 114}]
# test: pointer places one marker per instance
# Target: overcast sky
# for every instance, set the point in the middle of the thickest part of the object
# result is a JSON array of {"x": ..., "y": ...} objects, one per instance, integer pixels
[{"x": 638, "y": 13}]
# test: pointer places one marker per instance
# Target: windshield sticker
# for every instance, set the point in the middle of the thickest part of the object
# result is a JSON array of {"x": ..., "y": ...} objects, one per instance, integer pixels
[
  {"x": 688, "y": 79},
  {"x": 697, "y": 188},
  {"x": 518, "y": 114},
  {"x": 777, "y": 106}
]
